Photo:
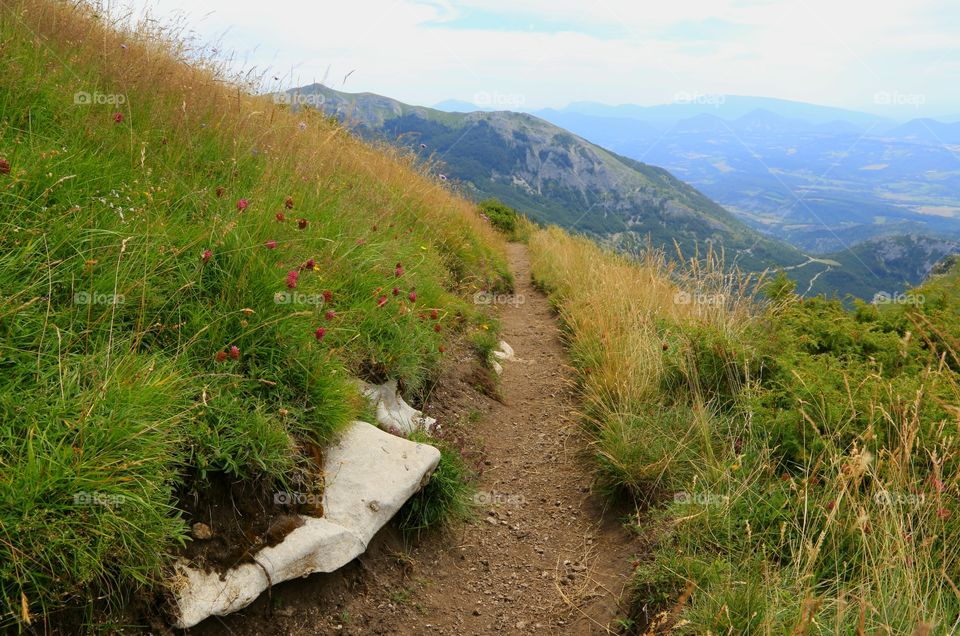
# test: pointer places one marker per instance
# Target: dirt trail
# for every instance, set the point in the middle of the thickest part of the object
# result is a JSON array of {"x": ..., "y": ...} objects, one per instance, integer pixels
[{"x": 543, "y": 556}]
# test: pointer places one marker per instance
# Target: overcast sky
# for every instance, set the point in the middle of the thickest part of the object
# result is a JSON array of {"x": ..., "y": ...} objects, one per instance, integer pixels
[{"x": 895, "y": 57}]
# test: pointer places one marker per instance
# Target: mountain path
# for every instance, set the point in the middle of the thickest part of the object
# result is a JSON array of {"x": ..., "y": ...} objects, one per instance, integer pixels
[{"x": 543, "y": 555}]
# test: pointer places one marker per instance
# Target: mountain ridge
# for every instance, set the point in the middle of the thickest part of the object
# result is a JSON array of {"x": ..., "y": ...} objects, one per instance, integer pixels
[{"x": 553, "y": 174}]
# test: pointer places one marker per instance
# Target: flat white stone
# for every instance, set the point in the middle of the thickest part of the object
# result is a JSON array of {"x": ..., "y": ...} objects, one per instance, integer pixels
[
  {"x": 369, "y": 475},
  {"x": 393, "y": 413}
]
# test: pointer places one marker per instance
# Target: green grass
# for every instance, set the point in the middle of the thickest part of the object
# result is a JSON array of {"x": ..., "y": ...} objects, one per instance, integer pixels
[
  {"x": 485, "y": 339},
  {"x": 130, "y": 364},
  {"x": 446, "y": 497},
  {"x": 514, "y": 225},
  {"x": 799, "y": 459}
]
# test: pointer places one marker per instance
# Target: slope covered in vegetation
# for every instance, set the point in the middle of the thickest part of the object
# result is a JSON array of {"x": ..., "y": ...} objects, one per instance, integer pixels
[
  {"x": 190, "y": 277},
  {"x": 800, "y": 458}
]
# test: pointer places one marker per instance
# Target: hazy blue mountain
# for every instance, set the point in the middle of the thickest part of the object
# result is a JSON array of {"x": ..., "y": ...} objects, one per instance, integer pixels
[
  {"x": 766, "y": 122},
  {"x": 726, "y": 107},
  {"x": 928, "y": 131},
  {"x": 794, "y": 171},
  {"x": 703, "y": 123}
]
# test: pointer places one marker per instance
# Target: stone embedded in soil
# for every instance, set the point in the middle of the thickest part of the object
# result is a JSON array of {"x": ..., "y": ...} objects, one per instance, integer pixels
[
  {"x": 393, "y": 413},
  {"x": 201, "y": 531},
  {"x": 369, "y": 474},
  {"x": 316, "y": 546}
]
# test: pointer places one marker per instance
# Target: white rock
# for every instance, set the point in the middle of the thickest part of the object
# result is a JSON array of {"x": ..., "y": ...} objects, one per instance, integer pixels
[
  {"x": 497, "y": 367},
  {"x": 505, "y": 352},
  {"x": 369, "y": 474},
  {"x": 316, "y": 546},
  {"x": 393, "y": 412}
]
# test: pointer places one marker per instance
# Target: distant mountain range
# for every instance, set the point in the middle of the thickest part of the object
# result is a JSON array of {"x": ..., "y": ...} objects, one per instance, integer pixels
[
  {"x": 820, "y": 178},
  {"x": 557, "y": 176}
]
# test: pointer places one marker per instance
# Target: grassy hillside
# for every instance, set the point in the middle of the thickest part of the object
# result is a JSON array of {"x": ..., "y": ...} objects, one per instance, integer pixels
[
  {"x": 190, "y": 278},
  {"x": 799, "y": 459}
]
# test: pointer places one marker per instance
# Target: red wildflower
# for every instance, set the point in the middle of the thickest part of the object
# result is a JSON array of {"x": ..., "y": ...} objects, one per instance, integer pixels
[
  {"x": 280, "y": 217},
  {"x": 373, "y": 227},
  {"x": 221, "y": 356},
  {"x": 330, "y": 315},
  {"x": 381, "y": 301},
  {"x": 242, "y": 204},
  {"x": 220, "y": 191},
  {"x": 320, "y": 333},
  {"x": 310, "y": 264},
  {"x": 234, "y": 352},
  {"x": 206, "y": 255},
  {"x": 4, "y": 166},
  {"x": 436, "y": 327},
  {"x": 292, "y": 277},
  {"x": 434, "y": 314},
  {"x": 441, "y": 348},
  {"x": 943, "y": 513},
  {"x": 302, "y": 224},
  {"x": 118, "y": 117},
  {"x": 288, "y": 203},
  {"x": 399, "y": 270},
  {"x": 831, "y": 505},
  {"x": 327, "y": 296},
  {"x": 270, "y": 244},
  {"x": 412, "y": 296},
  {"x": 396, "y": 291}
]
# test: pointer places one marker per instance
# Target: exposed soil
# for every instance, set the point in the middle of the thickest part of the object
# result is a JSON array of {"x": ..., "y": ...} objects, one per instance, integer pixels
[
  {"x": 543, "y": 555},
  {"x": 232, "y": 520}
]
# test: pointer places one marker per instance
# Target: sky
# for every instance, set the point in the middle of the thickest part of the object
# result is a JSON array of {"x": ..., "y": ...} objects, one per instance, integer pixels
[{"x": 897, "y": 58}]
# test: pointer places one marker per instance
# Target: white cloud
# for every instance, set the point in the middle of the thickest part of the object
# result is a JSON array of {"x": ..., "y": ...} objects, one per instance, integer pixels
[{"x": 821, "y": 51}]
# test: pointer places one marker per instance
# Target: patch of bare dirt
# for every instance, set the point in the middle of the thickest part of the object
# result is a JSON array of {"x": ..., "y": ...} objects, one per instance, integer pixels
[{"x": 543, "y": 555}]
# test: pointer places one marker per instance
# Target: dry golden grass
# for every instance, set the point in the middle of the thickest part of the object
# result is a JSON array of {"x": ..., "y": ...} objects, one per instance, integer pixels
[{"x": 614, "y": 303}]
